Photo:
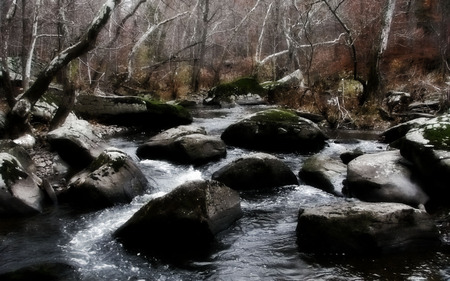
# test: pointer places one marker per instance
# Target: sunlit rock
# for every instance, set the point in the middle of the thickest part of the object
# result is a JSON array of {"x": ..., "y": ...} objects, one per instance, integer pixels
[
  {"x": 428, "y": 148},
  {"x": 19, "y": 188},
  {"x": 112, "y": 178},
  {"x": 275, "y": 130},
  {"x": 384, "y": 177},
  {"x": 76, "y": 143},
  {"x": 184, "y": 144},
  {"x": 258, "y": 171},
  {"x": 365, "y": 228},
  {"x": 183, "y": 222},
  {"x": 397, "y": 132},
  {"x": 325, "y": 173}
]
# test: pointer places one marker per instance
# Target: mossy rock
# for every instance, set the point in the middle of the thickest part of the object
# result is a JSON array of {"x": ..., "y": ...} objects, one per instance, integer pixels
[
  {"x": 229, "y": 92},
  {"x": 112, "y": 178},
  {"x": 428, "y": 148},
  {"x": 438, "y": 136},
  {"x": 132, "y": 111},
  {"x": 275, "y": 130}
]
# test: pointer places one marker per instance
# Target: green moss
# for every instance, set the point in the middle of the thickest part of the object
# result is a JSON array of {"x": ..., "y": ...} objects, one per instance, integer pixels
[
  {"x": 241, "y": 86},
  {"x": 438, "y": 135},
  {"x": 159, "y": 107},
  {"x": 276, "y": 115}
]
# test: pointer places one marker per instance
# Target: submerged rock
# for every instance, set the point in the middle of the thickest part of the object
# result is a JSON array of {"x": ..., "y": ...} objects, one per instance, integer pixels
[
  {"x": 384, "y": 177},
  {"x": 111, "y": 179},
  {"x": 43, "y": 271},
  {"x": 132, "y": 111},
  {"x": 258, "y": 171},
  {"x": 275, "y": 130},
  {"x": 325, "y": 173},
  {"x": 184, "y": 221},
  {"x": 365, "y": 228},
  {"x": 184, "y": 144}
]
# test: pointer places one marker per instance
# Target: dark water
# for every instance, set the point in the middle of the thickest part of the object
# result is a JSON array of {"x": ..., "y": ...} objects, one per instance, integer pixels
[{"x": 260, "y": 246}]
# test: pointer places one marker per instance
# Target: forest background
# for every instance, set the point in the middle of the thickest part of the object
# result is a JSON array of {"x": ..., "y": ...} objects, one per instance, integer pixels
[{"x": 171, "y": 49}]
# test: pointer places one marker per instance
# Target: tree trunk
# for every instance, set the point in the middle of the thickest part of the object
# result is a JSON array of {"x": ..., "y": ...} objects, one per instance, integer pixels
[
  {"x": 199, "y": 61},
  {"x": 67, "y": 103},
  {"x": 5, "y": 30},
  {"x": 374, "y": 80},
  {"x": 26, "y": 75},
  {"x": 151, "y": 28}
]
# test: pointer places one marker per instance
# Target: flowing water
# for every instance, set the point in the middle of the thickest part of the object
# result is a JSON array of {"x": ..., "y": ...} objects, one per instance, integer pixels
[{"x": 260, "y": 246}]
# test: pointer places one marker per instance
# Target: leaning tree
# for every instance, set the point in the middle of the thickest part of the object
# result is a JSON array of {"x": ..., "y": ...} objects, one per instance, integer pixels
[{"x": 17, "y": 121}]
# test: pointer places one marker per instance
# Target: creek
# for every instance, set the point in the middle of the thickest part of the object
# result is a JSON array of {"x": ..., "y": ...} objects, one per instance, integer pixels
[{"x": 260, "y": 246}]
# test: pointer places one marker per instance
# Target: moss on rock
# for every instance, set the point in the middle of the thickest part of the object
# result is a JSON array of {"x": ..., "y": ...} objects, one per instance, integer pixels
[
  {"x": 438, "y": 135},
  {"x": 241, "y": 86},
  {"x": 276, "y": 115}
]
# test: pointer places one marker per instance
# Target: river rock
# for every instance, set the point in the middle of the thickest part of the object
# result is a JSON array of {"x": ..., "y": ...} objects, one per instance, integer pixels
[
  {"x": 325, "y": 173},
  {"x": 19, "y": 188},
  {"x": 184, "y": 144},
  {"x": 348, "y": 156},
  {"x": 76, "y": 143},
  {"x": 384, "y": 177},
  {"x": 399, "y": 131},
  {"x": 365, "y": 228},
  {"x": 244, "y": 91},
  {"x": 184, "y": 221},
  {"x": 397, "y": 101},
  {"x": 275, "y": 130},
  {"x": 258, "y": 171},
  {"x": 132, "y": 111},
  {"x": 428, "y": 148},
  {"x": 112, "y": 178}
]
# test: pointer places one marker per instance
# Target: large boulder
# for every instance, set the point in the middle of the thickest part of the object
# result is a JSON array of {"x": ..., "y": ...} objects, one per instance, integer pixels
[
  {"x": 365, "y": 228},
  {"x": 244, "y": 91},
  {"x": 258, "y": 171},
  {"x": 132, "y": 111},
  {"x": 184, "y": 144},
  {"x": 112, "y": 178},
  {"x": 275, "y": 130},
  {"x": 184, "y": 221},
  {"x": 20, "y": 193},
  {"x": 399, "y": 131},
  {"x": 76, "y": 143},
  {"x": 325, "y": 173},
  {"x": 384, "y": 177},
  {"x": 428, "y": 148}
]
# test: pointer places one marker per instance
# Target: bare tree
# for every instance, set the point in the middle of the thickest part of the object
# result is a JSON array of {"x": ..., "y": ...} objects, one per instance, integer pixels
[
  {"x": 374, "y": 78},
  {"x": 18, "y": 117},
  {"x": 202, "y": 30},
  {"x": 5, "y": 30},
  {"x": 152, "y": 27},
  {"x": 34, "y": 36}
]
